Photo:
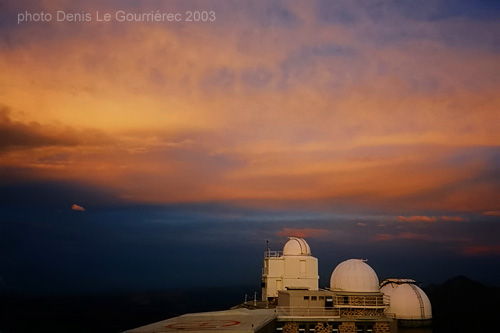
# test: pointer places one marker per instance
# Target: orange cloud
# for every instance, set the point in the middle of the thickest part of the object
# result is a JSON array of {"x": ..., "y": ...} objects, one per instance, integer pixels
[
  {"x": 305, "y": 233},
  {"x": 417, "y": 218},
  {"x": 482, "y": 250},
  {"x": 384, "y": 237},
  {"x": 492, "y": 213},
  {"x": 404, "y": 235},
  {"x": 452, "y": 218},
  {"x": 77, "y": 208},
  {"x": 430, "y": 219}
]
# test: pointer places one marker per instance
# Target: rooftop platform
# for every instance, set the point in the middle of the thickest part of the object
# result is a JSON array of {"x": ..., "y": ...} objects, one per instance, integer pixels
[{"x": 239, "y": 320}]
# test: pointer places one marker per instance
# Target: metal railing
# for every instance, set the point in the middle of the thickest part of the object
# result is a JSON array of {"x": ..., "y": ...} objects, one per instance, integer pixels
[
  {"x": 303, "y": 311},
  {"x": 273, "y": 254},
  {"x": 361, "y": 302},
  {"x": 360, "y": 305}
]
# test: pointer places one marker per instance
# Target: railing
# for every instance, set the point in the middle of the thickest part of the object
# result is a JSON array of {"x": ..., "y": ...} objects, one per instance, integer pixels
[
  {"x": 302, "y": 311},
  {"x": 394, "y": 316},
  {"x": 273, "y": 254},
  {"x": 390, "y": 315},
  {"x": 341, "y": 305},
  {"x": 361, "y": 302}
]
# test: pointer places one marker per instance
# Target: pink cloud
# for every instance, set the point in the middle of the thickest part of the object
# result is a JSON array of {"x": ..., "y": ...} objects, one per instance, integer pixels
[
  {"x": 383, "y": 237},
  {"x": 77, "y": 208},
  {"x": 452, "y": 218},
  {"x": 482, "y": 250},
  {"x": 361, "y": 224},
  {"x": 403, "y": 235},
  {"x": 417, "y": 218},
  {"x": 492, "y": 213},
  {"x": 429, "y": 219},
  {"x": 306, "y": 233}
]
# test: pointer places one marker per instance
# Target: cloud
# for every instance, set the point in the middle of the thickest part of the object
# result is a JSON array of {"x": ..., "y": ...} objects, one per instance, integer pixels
[
  {"x": 77, "y": 208},
  {"x": 16, "y": 134},
  {"x": 478, "y": 250},
  {"x": 452, "y": 218},
  {"x": 361, "y": 224},
  {"x": 305, "y": 233},
  {"x": 417, "y": 218},
  {"x": 269, "y": 117},
  {"x": 430, "y": 219},
  {"x": 491, "y": 213},
  {"x": 404, "y": 235}
]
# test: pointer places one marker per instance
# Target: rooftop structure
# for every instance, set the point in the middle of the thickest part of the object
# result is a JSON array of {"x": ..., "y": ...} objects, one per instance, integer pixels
[
  {"x": 354, "y": 275},
  {"x": 409, "y": 303},
  {"x": 293, "y": 268},
  {"x": 234, "y": 320},
  {"x": 292, "y": 302},
  {"x": 296, "y": 247}
]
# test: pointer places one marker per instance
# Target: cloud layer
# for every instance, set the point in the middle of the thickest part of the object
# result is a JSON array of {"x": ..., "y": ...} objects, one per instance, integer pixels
[{"x": 187, "y": 113}]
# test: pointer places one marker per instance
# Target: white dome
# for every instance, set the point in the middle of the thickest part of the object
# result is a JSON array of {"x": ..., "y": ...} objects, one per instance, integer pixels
[
  {"x": 296, "y": 247},
  {"x": 407, "y": 300},
  {"x": 354, "y": 275}
]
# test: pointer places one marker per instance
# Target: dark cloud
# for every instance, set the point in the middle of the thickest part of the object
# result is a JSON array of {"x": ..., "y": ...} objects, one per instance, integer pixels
[
  {"x": 277, "y": 14},
  {"x": 218, "y": 79},
  {"x": 31, "y": 135},
  {"x": 257, "y": 77},
  {"x": 337, "y": 12},
  {"x": 445, "y": 9},
  {"x": 16, "y": 134}
]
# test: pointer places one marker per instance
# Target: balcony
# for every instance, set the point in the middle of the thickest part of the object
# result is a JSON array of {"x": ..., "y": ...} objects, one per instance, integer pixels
[
  {"x": 273, "y": 254},
  {"x": 361, "y": 302},
  {"x": 303, "y": 311}
]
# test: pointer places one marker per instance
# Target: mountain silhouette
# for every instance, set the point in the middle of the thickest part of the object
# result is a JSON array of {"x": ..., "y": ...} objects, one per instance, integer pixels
[{"x": 463, "y": 305}]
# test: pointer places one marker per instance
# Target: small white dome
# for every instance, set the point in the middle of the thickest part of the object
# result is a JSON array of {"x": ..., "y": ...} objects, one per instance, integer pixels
[
  {"x": 354, "y": 275},
  {"x": 296, "y": 247},
  {"x": 407, "y": 300}
]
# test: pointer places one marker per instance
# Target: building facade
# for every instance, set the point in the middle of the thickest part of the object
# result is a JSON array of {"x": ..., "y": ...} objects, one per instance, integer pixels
[{"x": 294, "y": 267}]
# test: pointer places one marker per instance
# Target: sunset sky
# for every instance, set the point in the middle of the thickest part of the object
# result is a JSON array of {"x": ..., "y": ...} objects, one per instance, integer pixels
[{"x": 159, "y": 154}]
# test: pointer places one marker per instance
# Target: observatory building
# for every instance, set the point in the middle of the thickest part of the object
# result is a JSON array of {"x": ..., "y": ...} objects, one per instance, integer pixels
[
  {"x": 409, "y": 304},
  {"x": 292, "y": 268},
  {"x": 292, "y": 302}
]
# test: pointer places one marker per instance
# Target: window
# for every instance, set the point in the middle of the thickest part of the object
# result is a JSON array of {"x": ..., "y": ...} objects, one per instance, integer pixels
[
  {"x": 329, "y": 303},
  {"x": 306, "y": 298},
  {"x": 314, "y": 298}
]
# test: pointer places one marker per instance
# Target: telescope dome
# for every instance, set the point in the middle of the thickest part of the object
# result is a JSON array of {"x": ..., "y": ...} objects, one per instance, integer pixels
[
  {"x": 296, "y": 247},
  {"x": 354, "y": 275}
]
